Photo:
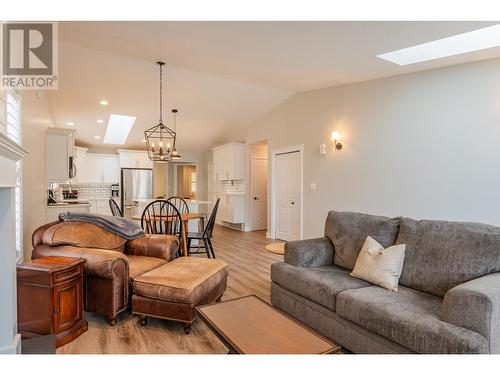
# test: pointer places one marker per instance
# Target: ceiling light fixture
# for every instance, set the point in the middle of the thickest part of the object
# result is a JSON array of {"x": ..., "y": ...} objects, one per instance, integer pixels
[
  {"x": 70, "y": 123},
  {"x": 103, "y": 102},
  {"x": 100, "y": 121},
  {"x": 160, "y": 139},
  {"x": 471, "y": 41}
]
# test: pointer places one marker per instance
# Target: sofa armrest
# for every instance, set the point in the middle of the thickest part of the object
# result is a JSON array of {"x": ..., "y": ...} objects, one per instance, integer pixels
[
  {"x": 315, "y": 252},
  {"x": 475, "y": 305},
  {"x": 104, "y": 264},
  {"x": 154, "y": 245}
]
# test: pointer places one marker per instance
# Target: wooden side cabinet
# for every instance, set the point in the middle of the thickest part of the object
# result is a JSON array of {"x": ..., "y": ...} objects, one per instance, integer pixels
[{"x": 50, "y": 298}]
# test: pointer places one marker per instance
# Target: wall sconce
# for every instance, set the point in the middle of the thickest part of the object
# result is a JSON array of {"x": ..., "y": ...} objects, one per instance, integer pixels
[{"x": 336, "y": 139}]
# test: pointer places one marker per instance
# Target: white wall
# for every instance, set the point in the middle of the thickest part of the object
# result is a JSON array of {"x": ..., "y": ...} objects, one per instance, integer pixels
[
  {"x": 424, "y": 145},
  {"x": 36, "y": 118}
]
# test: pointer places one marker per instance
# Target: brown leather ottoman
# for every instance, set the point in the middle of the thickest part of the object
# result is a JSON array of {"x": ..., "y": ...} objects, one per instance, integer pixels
[{"x": 173, "y": 290}]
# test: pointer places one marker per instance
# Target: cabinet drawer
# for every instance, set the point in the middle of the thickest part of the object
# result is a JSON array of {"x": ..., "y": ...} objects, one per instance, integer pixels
[{"x": 66, "y": 274}]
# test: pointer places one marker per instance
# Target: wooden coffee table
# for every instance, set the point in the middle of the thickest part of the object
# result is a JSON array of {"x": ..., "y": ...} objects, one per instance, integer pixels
[{"x": 249, "y": 325}]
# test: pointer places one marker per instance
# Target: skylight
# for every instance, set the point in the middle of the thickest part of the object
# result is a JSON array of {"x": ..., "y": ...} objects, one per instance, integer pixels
[
  {"x": 119, "y": 127},
  {"x": 476, "y": 40}
]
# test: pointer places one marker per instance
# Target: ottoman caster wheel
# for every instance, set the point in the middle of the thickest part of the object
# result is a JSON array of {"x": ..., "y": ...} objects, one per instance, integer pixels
[
  {"x": 143, "y": 320},
  {"x": 218, "y": 299},
  {"x": 187, "y": 329},
  {"x": 112, "y": 322}
]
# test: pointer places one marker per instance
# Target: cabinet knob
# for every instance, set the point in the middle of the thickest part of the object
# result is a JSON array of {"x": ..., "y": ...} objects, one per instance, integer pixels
[
  {"x": 293, "y": 202},
  {"x": 255, "y": 198}
]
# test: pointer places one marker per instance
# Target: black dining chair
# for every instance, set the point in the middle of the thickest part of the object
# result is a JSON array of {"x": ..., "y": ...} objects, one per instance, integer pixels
[
  {"x": 162, "y": 217},
  {"x": 180, "y": 204},
  {"x": 115, "y": 210},
  {"x": 204, "y": 238}
]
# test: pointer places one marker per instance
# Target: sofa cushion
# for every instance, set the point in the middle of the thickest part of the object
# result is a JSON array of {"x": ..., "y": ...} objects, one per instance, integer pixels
[
  {"x": 320, "y": 284},
  {"x": 184, "y": 280},
  {"x": 81, "y": 234},
  {"x": 380, "y": 266},
  {"x": 408, "y": 317},
  {"x": 137, "y": 265},
  {"x": 348, "y": 231},
  {"x": 443, "y": 254}
]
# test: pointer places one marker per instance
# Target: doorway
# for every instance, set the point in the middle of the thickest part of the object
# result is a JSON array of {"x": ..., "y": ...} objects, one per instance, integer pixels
[
  {"x": 185, "y": 181},
  {"x": 258, "y": 192},
  {"x": 287, "y": 221}
]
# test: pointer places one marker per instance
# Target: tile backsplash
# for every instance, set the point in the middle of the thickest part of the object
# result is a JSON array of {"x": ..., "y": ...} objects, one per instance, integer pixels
[{"x": 86, "y": 191}]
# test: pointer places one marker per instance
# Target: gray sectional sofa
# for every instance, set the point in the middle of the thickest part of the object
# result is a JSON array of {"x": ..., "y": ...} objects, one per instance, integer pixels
[{"x": 449, "y": 294}]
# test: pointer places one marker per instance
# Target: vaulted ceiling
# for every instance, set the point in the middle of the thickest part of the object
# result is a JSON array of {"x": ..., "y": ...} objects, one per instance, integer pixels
[{"x": 222, "y": 76}]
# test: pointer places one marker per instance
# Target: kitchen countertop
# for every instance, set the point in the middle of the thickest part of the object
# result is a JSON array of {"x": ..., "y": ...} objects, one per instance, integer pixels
[
  {"x": 188, "y": 201},
  {"x": 66, "y": 204},
  {"x": 86, "y": 199}
]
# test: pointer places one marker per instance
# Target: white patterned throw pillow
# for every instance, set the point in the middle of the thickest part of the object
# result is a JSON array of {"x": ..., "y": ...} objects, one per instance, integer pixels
[{"x": 380, "y": 266}]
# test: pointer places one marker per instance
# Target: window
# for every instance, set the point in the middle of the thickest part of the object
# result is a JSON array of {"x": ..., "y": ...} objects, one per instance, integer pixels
[
  {"x": 193, "y": 182},
  {"x": 13, "y": 130}
]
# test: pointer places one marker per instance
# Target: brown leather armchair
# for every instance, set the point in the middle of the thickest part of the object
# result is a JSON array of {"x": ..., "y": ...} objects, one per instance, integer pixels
[{"x": 111, "y": 262}]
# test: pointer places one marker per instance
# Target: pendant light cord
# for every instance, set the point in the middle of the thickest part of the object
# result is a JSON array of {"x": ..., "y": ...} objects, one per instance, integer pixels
[{"x": 161, "y": 92}]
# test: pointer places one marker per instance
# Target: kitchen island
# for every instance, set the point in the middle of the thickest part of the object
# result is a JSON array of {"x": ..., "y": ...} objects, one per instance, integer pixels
[{"x": 194, "y": 205}]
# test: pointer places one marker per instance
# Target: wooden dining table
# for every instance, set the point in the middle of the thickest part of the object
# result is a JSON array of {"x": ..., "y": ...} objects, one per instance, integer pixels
[{"x": 185, "y": 218}]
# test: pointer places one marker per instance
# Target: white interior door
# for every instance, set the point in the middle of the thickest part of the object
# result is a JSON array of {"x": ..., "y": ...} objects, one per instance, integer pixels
[
  {"x": 288, "y": 196},
  {"x": 258, "y": 191}
]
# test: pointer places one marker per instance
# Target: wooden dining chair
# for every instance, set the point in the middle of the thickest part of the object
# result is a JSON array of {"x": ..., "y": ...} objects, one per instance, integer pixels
[
  {"x": 162, "y": 217},
  {"x": 204, "y": 238},
  {"x": 115, "y": 210}
]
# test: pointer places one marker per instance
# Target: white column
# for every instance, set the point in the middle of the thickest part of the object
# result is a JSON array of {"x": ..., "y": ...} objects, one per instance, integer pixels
[
  {"x": 10, "y": 153},
  {"x": 9, "y": 338}
]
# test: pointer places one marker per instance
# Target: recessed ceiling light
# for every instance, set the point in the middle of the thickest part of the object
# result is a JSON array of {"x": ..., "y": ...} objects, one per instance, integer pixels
[
  {"x": 70, "y": 123},
  {"x": 103, "y": 102},
  {"x": 476, "y": 40},
  {"x": 119, "y": 127},
  {"x": 97, "y": 136},
  {"x": 100, "y": 121}
]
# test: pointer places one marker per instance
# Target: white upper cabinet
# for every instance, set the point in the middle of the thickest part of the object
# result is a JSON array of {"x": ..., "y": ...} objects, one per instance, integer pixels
[
  {"x": 59, "y": 154},
  {"x": 134, "y": 159},
  {"x": 101, "y": 169},
  {"x": 229, "y": 162}
]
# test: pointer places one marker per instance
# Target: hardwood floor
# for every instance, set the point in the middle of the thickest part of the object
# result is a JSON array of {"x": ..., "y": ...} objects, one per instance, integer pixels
[{"x": 249, "y": 269}]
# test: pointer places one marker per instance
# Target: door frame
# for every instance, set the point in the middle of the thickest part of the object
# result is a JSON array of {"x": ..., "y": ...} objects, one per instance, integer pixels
[
  {"x": 250, "y": 207},
  {"x": 273, "y": 201}
]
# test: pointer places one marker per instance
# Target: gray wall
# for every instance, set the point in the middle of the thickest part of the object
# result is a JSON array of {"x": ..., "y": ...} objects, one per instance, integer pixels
[{"x": 425, "y": 145}]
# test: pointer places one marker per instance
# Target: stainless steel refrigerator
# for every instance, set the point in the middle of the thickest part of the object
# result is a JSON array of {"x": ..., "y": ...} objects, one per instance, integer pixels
[{"x": 135, "y": 184}]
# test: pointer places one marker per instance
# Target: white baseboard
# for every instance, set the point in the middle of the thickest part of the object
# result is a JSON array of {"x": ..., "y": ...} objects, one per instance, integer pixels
[
  {"x": 268, "y": 235},
  {"x": 14, "y": 347}
]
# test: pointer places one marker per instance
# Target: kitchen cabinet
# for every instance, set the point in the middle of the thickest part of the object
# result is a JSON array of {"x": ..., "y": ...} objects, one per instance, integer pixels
[
  {"x": 229, "y": 162},
  {"x": 101, "y": 168},
  {"x": 232, "y": 209},
  {"x": 99, "y": 206},
  {"x": 52, "y": 212},
  {"x": 134, "y": 159},
  {"x": 59, "y": 155}
]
